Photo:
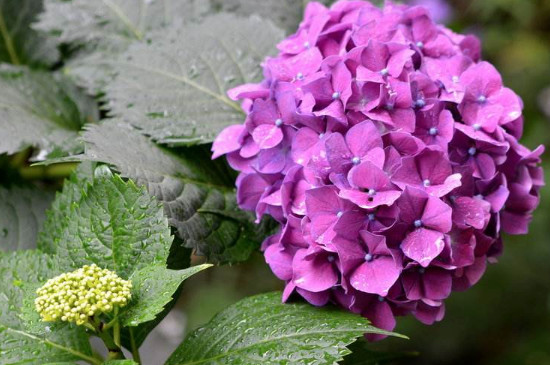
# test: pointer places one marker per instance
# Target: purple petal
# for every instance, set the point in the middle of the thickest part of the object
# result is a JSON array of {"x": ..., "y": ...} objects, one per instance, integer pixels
[
  {"x": 280, "y": 261},
  {"x": 362, "y": 138},
  {"x": 423, "y": 245},
  {"x": 267, "y": 136},
  {"x": 228, "y": 140},
  {"x": 437, "y": 215},
  {"x": 315, "y": 273},
  {"x": 376, "y": 276}
]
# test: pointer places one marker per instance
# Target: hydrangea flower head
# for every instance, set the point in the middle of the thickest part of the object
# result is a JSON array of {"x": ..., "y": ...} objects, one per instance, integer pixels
[
  {"x": 388, "y": 151},
  {"x": 83, "y": 293}
]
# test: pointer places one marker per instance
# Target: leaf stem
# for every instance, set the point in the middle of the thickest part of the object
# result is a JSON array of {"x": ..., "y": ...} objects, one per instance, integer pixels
[
  {"x": 116, "y": 329},
  {"x": 47, "y": 172},
  {"x": 8, "y": 40},
  {"x": 135, "y": 349},
  {"x": 115, "y": 352}
]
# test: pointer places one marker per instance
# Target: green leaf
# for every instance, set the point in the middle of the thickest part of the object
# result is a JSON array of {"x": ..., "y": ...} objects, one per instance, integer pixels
[
  {"x": 173, "y": 87},
  {"x": 19, "y": 44},
  {"x": 33, "y": 343},
  {"x": 108, "y": 21},
  {"x": 73, "y": 188},
  {"x": 153, "y": 287},
  {"x": 184, "y": 183},
  {"x": 23, "y": 213},
  {"x": 100, "y": 29},
  {"x": 262, "y": 330},
  {"x": 105, "y": 220},
  {"x": 114, "y": 224},
  {"x": 42, "y": 110}
]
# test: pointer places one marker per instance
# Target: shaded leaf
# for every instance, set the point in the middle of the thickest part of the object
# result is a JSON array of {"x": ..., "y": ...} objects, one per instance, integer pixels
[
  {"x": 98, "y": 30},
  {"x": 184, "y": 183},
  {"x": 152, "y": 290},
  {"x": 19, "y": 44},
  {"x": 174, "y": 86},
  {"x": 262, "y": 330},
  {"x": 32, "y": 343},
  {"x": 42, "y": 110},
  {"x": 23, "y": 211}
]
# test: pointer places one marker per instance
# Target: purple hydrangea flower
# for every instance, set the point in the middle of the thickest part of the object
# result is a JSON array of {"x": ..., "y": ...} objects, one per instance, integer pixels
[{"x": 388, "y": 151}]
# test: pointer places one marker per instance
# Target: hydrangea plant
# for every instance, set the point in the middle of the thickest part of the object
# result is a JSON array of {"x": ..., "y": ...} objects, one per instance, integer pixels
[
  {"x": 388, "y": 152},
  {"x": 377, "y": 155}
]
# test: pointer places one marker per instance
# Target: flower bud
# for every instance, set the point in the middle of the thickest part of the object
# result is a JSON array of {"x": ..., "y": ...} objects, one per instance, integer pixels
[{"x": 83, "y": 293}]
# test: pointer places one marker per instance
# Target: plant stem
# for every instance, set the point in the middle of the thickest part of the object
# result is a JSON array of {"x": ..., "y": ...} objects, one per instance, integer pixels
[
  {"x": 8, "y": 41},
  {"x": 57, "y": 171},
  {"x": 115, "y": 352},
  {"x": 135, "y": 349},
  {"x": 116, "y": 329}
]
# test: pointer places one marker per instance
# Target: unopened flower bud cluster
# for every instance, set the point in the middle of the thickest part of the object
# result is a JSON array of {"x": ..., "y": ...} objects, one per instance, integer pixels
[{"x": 83, "y": 293}]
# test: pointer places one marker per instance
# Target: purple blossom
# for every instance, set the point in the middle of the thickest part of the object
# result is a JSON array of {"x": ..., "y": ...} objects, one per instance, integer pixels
[{"x": 388, "y": 151}]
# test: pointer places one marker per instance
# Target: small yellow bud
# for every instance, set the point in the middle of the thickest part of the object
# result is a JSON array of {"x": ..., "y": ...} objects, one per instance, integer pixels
[{"x": 83, "y": 293}]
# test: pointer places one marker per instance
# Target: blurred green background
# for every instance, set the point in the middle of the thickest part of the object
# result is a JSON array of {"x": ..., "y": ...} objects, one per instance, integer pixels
[{"x": 505, "y": 318}]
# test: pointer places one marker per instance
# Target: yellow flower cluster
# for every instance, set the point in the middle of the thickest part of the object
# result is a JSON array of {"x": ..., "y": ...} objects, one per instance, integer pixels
[{"x": 78, "y": 295}]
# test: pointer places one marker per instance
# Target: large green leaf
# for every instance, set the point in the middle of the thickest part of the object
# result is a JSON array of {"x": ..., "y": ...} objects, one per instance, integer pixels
[
  {"x": 153, "y": 287},
  {"x": 23, "y": 210},
  {"x": 173, "y": 87},
  {"x": 100, "y": 29},
  {"x": 108, "y": 21},
  {"x": 32, "y": 343},
  {"x": 185, "y": 183},
  {"x": 42, "y": 110},
  {"x": 114, "y": 224},
  {"x": 100, "y": 218},
  {"x": 19, "y": 44},
  {"x": 262, "y": 330}
]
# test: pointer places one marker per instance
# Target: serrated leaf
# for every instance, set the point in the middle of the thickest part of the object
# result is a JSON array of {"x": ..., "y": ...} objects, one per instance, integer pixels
[
  {"x": 184, "y": 183},
  {"x": 73, "y": 189},
  {"x": 262, "y": 330},
  {"x": 114, "y": 224},
  {"x": 41, "y": 109},
  {"x": 33, "y": 343},
  {"x": 100, "y": 218},
  {"x": 173, "y": 87},
  {"x": 153, "y": 288},
  {"x": 101, "y": 29},
  {"x": 23, "y": 211},
  {"x": 19, "y": 44}
]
